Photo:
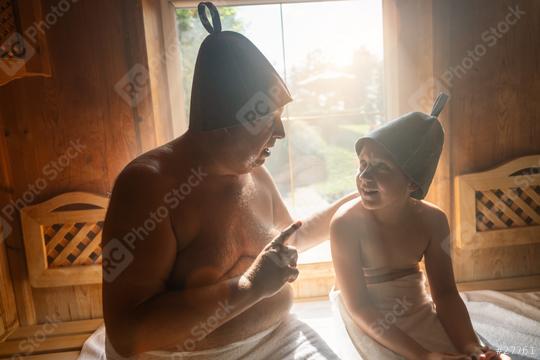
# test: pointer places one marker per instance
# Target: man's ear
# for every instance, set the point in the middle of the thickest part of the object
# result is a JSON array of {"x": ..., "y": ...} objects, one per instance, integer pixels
[{"x": 412, "y": 187}]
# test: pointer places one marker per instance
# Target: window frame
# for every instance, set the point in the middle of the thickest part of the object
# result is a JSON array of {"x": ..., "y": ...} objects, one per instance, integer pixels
[{"x": 190, "y": 3}]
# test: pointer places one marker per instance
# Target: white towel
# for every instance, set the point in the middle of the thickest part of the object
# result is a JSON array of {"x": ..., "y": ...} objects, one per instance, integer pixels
[
  {"x": 508, "y": 322},
  {"x": 402, "y": 302},
  {"x": 291, "y": 339}
]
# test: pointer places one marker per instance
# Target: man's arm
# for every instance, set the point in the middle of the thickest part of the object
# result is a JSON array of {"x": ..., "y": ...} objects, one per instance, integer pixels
[
  {"x": 315, "y": 229},
  {"x": 140, "y": 313}
]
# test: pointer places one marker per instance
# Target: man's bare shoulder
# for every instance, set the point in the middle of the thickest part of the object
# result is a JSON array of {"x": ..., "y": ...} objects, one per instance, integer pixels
[
  {"x": 150, "y": 170},
  {"x": 262, "y": 175},
  {"x": 139, "y": 176},
  {"x": 264, "y": 180}
]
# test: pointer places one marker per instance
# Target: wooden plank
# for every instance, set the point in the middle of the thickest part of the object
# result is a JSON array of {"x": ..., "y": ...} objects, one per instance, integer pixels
[
  {"x": 8, "y": 310},
  {"x": 62, "y": 256},
  {"x": 91, "y": 247},
  {"x": 191, "y": 3},
  {"x": 173, "y": 63},
  {"x": 68, "y": 276},
  {"x": 157, "y": 55},
  {"x": 491, "y": 216},
  {"x": 532, "y": 194},
  {"x": 61, "y": 343},
  {"x": 57, "y": 238},
  {"x": 69, "y": 355},
  {"x": 526, "y": 208},
  {"x": 513, "y": 283},
  {"x": 8, "y": 307},
  {"x": 501, "y": 205},
  {"x": 61, "y": 328}
]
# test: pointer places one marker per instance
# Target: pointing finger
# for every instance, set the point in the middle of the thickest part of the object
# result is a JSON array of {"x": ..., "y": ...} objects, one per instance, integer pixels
[
  {"x": 285, "y": 234},
  {"x": 293, "y": 274}
]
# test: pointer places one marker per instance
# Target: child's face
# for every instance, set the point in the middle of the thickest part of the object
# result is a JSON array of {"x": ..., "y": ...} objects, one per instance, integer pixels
[{"x": 379, "y": 180}]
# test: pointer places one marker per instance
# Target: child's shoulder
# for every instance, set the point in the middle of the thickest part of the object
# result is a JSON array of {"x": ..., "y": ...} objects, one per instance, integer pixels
[
  {"x": 430, "y": 213},
  {"x": 350, "y": 214}
]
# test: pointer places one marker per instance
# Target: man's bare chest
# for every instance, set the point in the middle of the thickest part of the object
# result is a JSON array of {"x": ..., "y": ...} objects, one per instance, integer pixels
[{"x": 234, "y": 224}]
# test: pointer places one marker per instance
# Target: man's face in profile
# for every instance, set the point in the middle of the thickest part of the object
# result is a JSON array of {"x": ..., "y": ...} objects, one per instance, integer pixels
[{"x": 244, "y": 149}]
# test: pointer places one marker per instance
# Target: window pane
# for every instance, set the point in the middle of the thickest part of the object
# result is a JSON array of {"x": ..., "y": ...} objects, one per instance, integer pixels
[
  {"x": 331, "y": 56},
  {"x": 262, "y": 25},
  {"x": 334, "y": 53},
  {"x": 334, "y": 64}
]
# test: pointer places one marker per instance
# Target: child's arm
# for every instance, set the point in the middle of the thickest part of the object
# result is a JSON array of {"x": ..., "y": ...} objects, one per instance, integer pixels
[
  {"x": 350, "y": 279},
  {"x": 450, "y": 307},
  {"x": 315, "y": 228}
]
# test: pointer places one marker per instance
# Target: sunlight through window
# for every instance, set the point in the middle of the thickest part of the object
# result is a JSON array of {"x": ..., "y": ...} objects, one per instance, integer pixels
[{"x": 331, "y": 57}]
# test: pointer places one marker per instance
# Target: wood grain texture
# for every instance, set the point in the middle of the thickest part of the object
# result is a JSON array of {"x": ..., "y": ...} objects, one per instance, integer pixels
[
  {"x": 495, "y": 117},
  {"x": 469, "y": 210},
  {"x": 92, "y": 46},
  {"x": 492, "y": 116}
]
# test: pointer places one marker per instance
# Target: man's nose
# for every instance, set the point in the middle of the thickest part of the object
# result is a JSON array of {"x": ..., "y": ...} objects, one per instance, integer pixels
[{"x": 279, "y": 129}]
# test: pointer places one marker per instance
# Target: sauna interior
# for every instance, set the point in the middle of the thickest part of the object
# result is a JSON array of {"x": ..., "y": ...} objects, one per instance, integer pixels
[{"x": 87, "y": 86}]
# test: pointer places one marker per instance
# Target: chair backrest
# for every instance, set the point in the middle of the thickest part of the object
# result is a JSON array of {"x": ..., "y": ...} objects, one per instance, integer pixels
[
  {"x": 62, "y": 238},
  {"x": 499, "y": 207}
]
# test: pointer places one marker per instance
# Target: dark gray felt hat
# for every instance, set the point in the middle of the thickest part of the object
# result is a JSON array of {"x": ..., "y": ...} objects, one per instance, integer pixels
[
  {"x": 231, "y": 79},
  {"x": 415, "y": 142}
]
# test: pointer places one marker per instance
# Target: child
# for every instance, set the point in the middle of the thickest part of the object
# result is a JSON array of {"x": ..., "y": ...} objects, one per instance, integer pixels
[{"x": 377, "y": 241}]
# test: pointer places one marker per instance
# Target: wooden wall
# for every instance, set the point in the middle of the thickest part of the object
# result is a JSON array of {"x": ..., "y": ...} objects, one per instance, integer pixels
[
  {"x": 494, "y": 113},
  {"x": 92, "y": 46},
  {"x": 8, "y": 313}
]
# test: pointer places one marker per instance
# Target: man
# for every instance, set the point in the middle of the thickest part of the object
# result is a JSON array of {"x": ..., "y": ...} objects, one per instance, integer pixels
[{"x": 208, "y": 278}]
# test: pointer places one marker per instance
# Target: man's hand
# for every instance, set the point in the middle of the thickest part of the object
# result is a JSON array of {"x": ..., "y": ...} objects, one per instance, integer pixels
[{"x": 274, "y": 266}]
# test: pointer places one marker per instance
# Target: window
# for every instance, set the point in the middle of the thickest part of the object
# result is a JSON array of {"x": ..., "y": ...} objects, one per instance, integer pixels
[{"x": 331, "y": 57}]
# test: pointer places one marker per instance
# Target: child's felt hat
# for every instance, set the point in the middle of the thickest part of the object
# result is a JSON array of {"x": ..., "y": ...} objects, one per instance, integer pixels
[
  {"x": 233, "y": 81},
  {"x": 415, "y": 142}
]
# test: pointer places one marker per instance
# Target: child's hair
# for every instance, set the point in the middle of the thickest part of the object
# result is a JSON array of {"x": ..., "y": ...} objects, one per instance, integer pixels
[{"x": 415, "y": 142}]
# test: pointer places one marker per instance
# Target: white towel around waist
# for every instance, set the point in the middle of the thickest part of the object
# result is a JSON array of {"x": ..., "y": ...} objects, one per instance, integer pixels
[{"x": 291, "y": 339}]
